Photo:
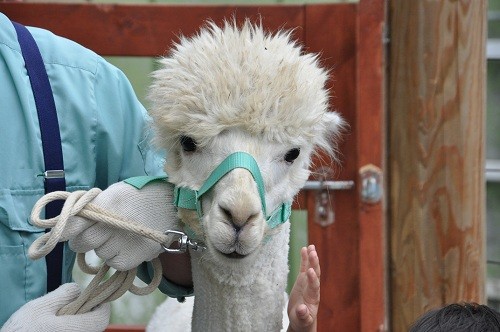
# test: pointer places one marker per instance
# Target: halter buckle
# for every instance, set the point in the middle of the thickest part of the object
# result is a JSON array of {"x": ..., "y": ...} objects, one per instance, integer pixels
[{"x": 184, "y": 243}]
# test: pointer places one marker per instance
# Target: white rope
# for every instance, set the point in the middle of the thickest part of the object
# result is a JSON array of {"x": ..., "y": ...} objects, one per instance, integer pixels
[{"x": 98, "y": 291}]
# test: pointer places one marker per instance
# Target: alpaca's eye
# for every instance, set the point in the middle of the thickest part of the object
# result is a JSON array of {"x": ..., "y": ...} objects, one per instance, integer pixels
[
  {"x": 292, "y": 155},
  {"x": 188, "y": 144}
]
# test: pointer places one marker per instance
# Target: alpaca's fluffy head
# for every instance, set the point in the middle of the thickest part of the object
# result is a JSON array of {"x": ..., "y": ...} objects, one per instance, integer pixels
[{"x": 233, "y": 89}]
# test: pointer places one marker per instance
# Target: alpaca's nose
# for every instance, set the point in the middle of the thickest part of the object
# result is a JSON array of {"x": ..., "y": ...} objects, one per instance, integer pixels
[
  {"x": 239, "y": 215},
  {"x": 239, "y": 201}
]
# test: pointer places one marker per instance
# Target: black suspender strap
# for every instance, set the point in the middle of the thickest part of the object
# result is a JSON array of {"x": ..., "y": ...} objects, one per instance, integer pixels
[{"x": 51, "y": 141}]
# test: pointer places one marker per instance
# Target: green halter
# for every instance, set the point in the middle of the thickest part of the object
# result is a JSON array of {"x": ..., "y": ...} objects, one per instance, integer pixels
[{"x": 191, "y": 199}]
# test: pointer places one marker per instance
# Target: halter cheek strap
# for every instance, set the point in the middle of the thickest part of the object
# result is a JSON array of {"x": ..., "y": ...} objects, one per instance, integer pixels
[{"x": 191, "y": 199}]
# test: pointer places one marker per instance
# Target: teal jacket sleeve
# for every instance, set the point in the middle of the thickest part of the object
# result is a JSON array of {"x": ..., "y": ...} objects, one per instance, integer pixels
[{"x": 123, "y": 137}]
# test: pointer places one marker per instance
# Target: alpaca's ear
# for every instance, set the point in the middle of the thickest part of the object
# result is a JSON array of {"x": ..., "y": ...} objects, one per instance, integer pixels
[{"x": 334, "y": 123}]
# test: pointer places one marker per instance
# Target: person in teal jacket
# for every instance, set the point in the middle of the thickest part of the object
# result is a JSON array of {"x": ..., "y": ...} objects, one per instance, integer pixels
[
  {"x": 105, "y": 139},
  {"x": 104, "y": 135}
]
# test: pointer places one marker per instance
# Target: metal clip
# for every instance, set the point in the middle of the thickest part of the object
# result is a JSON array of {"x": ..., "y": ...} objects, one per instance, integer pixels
[
  {"x": 184, "y": 243},
  {"x": 54, "y": 174}
]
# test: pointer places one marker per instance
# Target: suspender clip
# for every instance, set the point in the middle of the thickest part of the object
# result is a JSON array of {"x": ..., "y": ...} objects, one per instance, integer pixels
[{"x": 54, "y": 174}]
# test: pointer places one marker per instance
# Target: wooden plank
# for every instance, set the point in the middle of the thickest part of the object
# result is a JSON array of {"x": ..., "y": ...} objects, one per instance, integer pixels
[
  {"x": 140, "y": 30},
  {"x": 371, "y": 151},
  {"x": 331, "y": 30},
  {"x": 125, "y": 328},
  {"x": 437, "y": 110}
]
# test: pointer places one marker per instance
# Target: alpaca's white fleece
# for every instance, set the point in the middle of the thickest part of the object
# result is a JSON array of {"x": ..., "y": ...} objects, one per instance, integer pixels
[
  {"x": 250, "y": 301},
  {"x": 163, "y": 321}
]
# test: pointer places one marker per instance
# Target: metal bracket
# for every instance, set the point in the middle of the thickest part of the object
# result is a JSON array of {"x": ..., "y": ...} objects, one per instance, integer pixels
[
  {"x": 328, "y": 185},
  {"x": 371, "y": 184},
  {"x": 324, "y": 214}
]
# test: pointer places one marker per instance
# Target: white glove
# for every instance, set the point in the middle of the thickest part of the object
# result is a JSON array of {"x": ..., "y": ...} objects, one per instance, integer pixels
[
  {"x": 150, "y": 206},
  {"x": 39, "y": 315}
]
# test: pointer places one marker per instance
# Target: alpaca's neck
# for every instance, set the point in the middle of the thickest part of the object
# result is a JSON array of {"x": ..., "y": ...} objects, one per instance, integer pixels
[{"x": 249, "y": 298}]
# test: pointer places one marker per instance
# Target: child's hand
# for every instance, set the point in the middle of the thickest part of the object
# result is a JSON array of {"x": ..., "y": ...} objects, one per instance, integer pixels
[{"x": 304, "y": 297}]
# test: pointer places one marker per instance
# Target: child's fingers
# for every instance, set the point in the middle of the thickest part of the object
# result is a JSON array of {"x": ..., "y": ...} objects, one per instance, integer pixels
[
  {"x": 313, "y": 260},
  {"x": 303, "y": 314},
  {"x": 312, "y": 295},
  {"x": 304, "y": 259},
  {"x": 313, "y": 280},
  {"x": 311, "y": 248}
]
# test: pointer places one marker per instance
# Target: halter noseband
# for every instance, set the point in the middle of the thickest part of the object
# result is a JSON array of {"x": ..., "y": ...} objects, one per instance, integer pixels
[{"x": 191, "y": 199}]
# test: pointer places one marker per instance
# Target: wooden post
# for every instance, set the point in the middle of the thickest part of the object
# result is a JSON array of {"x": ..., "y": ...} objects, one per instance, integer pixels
[
  {"x": 436, "y": 163},
  {"x": 371, "y": 128}
]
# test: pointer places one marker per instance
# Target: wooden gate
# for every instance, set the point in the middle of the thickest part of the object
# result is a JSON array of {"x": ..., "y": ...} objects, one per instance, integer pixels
[{"x": 350, "y": 39}]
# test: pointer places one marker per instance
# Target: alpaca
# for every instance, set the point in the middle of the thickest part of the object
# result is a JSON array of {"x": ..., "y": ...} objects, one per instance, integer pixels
[{"x": 229, "y": 90}]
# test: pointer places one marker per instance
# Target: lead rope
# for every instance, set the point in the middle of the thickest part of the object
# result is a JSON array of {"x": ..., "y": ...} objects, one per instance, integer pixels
[{"x": 98, "y": 291}]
